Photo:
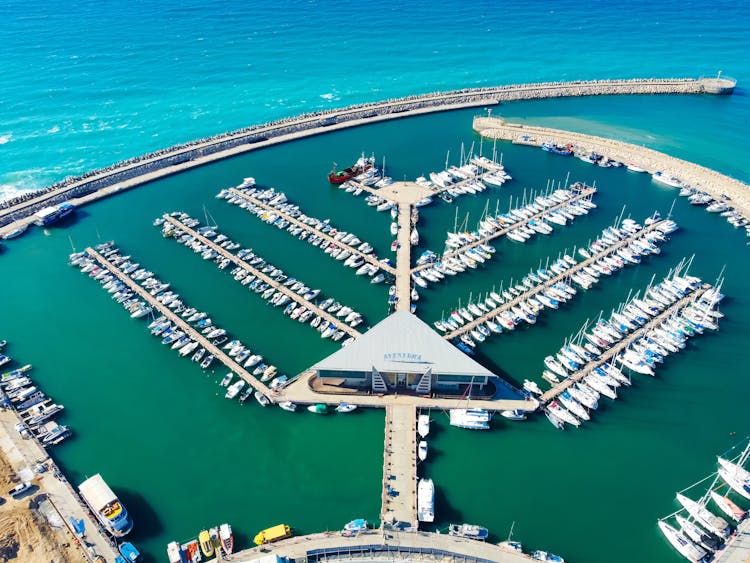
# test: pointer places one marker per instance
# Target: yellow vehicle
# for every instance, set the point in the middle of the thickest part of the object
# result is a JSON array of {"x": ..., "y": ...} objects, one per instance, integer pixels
[{"x": 274, "y": 533}]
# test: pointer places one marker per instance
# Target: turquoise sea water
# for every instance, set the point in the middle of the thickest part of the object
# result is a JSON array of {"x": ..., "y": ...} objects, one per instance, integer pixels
[
  {"x": 161, "y": 433},
  {"x": 88, "y": 83}
]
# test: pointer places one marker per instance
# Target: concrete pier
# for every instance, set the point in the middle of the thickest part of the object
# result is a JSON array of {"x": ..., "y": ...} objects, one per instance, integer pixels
[
  {"x": 188, "y": 329},
  {"x": 23, "y": 455},
  {"x": 380, "y": 546},
  {"x": 737, "y": 548},
  {"x": 403, "y": 258},
  {"x": 339, "y": 323},
  {"x": 399, "y": 497},
  {"x": 317, "y": 232},
  {"x": 553, "y": 280},
  {"x": 585, "y": 192},
  {"x": 147, "y": 168},
  {"x": 610, "y": 354}
]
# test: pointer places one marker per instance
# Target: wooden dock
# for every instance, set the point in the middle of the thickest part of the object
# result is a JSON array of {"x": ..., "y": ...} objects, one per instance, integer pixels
[
  {"x": 399, "y": 497},
  {"x": 339, "y": 323},
  {"x": 403, "y": 258},
  {"x": 369, "y": 258},
  {"x": 607, "y": 356},
  {"x": 541, "y": 287},
  {"x": 188, "y": 329},
  {"x": 586, "y": 192}
]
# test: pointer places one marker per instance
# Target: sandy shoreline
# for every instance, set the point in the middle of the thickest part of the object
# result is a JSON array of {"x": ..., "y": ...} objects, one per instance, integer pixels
[{"x": 700, "y": 177}]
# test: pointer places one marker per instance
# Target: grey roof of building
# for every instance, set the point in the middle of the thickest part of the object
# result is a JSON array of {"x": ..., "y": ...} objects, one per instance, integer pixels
[{"x": 402, "y": 343}]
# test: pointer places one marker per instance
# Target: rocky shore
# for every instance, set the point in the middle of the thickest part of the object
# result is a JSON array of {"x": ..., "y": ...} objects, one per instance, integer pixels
[{"x": 145, "y": 168}]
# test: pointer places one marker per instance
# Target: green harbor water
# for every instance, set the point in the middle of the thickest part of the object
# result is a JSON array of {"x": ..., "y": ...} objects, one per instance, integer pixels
[{"x": 182, "y": 457}]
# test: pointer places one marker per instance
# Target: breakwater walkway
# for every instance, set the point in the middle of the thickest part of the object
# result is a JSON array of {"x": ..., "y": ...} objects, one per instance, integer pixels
[
  {"x": 399, "y": 497},
  {"x": 237, "y": 261},
  {"x": 378, "y": 545},
  {"x": 716, "y": 184},
  {"x": 607, "y": 356},
  {"x": 159, "y": 164},
  {"x": 587, "y": 191},
  {"x": 550, "y": 282},
  {"x": 188, "y": 329},
  {"x": 369, "y": 258}
]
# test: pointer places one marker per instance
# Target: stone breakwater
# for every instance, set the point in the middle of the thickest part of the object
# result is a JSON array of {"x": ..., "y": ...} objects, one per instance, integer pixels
[
  {"x": 142, "y": 169},
  {"x": 717, "y": 185}
]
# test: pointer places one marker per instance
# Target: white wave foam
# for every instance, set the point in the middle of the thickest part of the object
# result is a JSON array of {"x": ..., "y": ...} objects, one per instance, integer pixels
[
  {"x": 6, "y": 138},
  {"x": 54, "y": 129}
]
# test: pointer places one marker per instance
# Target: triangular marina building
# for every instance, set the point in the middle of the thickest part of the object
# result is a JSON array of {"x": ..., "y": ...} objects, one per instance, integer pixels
[{"x": 402, "y": 352}]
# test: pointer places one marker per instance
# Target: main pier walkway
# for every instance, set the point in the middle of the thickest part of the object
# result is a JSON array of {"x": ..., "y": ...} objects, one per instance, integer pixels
[
  {"x": 23, "y": 455},
  {"x": 716, "y": 184},
  {"x": 188, "y": 329},
  {"x": 147, "y": 168},
  {"x": 585, "y": 192},
  {"x": 403, "y": 258},
  {"x": 399, "y": 498},
  {"x": 339, "y": 323},
  {"x": 552, "y": 281},
  {"x": 607, "y": 356},
  {"x": 369, "y": 258}
]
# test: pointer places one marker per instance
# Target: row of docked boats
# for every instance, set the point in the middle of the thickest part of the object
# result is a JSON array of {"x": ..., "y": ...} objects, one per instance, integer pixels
[
  {"x": 474, "y": 175},
  {"x": 696, "y": 532},
  {"x": 536, "y": 214},
  {"x": 174, "y": 333},
  {"x": 212, "y": 544},
  {"x": 552, "y": 285},
  {"x": 265, "y": 279},
  {"x": 594, "y": 362},
  {"x": 343, "y": 246},
  {"x": 721, "y": 205},
  {"x": 33, "y": 407}
]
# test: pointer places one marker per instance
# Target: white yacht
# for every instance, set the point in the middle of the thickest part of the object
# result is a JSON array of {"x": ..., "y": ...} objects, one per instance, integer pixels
[
  {"x": 422, "y": 450},
  {"x": 426, "y": 500},
  {"x": 423, "y": 425},
  {"x": 705, "y": 517},
  {"x": 682, "y": 544},
  {"x": 473, "y": 419}
]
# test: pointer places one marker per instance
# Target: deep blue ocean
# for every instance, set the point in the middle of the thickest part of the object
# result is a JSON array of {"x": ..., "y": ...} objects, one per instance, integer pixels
[{"x": 87, "y": 83}]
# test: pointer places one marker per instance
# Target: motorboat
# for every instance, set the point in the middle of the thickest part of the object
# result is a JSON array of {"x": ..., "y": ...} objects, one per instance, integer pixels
[
  {"x": 226, "y": 538},
  {"x": 514, "y": 414},
  {"x": 423, "y": 425},
  {"x": 422, "y": 450},
  {"x": 547, "y": 556},
  {"x": 426, "y": 500},
  {"x": 288, "y": 406},
  {"x": 356, "y": 525},
  {"x": 469, "y": 531},
  {"x": 345, "y": 407}
]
